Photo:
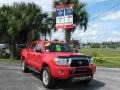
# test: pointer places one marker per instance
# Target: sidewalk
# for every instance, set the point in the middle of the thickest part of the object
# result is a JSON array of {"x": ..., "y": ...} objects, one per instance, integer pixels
[{"x": 105, "y": 68}]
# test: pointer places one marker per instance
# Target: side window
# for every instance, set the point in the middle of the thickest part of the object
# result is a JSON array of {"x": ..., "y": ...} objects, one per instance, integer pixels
[
  {"x": 39, "y": 47},
  {"x": 33, "y": 46}
]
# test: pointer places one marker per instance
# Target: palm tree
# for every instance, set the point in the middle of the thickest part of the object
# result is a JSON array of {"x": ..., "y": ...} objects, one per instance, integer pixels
[
  {"x": 26, "y": 21},
  {"x": 46, "y": 25},
  {"x": 4, "y": 24},
  {"x": 80, "y": 16},
  {"x": 22, "y": 23}
]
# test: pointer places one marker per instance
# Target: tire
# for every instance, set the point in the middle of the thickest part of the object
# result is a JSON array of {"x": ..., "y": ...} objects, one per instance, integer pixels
[
  {"x": 47, "y": 79},
  {"x": 24, "y": 67}
]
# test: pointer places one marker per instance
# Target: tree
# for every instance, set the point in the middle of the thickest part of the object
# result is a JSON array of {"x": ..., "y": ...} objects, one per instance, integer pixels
[
  {"x": 25, "y": 21},
  {"x": 4, "y": 24},
  {"x": 22, "y": 23},
  {"x": 80, "y": 16},
  {"x": 47, "y": 25},
  {"x": 75, "y": 43}
]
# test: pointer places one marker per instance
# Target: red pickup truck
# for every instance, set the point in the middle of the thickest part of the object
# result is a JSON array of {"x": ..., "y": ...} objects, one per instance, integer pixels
[{"x": 57, "y": 60}]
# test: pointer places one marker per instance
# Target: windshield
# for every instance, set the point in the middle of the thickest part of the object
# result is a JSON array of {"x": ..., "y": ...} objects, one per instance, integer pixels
[{"x": 57, "y": 47}]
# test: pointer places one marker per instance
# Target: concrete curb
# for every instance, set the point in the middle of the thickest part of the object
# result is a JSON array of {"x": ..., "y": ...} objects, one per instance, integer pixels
[{"x": 104, "y": 68}]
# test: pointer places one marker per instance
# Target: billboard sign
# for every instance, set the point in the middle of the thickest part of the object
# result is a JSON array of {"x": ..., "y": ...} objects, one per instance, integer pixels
[
  {"x": 60, "y": 16},
  {"x": 69, "y": 16},
  {"x": 64, "y": 16}
]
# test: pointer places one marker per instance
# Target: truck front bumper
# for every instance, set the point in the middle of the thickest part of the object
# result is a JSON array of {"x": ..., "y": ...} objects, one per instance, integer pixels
[{"x": 63, "y": 72}]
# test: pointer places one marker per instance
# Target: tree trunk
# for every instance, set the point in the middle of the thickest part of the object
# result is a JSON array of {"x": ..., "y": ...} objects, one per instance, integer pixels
[
  {"x": 12, "y": 50},
  {"x": 29, "y": 39},
  {"x": 67, "y": 35},
  {"x": 50, "y": 35},
  {"x": 45, "y": 35}
]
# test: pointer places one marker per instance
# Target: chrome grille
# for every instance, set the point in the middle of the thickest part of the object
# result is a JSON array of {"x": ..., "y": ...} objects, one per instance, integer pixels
[{"x": 77, "y": 62}]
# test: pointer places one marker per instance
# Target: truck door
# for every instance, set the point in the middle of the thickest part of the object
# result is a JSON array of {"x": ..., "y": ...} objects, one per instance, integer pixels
[
  {"x": 31, "y": 54},
  {"x": 38, "y": 56}
]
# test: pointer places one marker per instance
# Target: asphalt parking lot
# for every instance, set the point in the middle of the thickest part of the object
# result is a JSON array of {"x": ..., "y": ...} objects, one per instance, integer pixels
[{"x": 12, "y": 78}]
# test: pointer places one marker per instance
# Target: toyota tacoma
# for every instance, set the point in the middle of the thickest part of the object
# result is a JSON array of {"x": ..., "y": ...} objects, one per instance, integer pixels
[{"x": 56, "y": 60}]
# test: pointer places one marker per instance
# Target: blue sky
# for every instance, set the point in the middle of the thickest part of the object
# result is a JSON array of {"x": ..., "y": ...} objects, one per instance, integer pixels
[{"x": 104, "y": 27}]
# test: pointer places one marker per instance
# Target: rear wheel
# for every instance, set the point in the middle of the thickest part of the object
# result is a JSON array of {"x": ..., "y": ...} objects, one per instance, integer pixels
[
  {"x": 24, "y": 67},
  {"x": 47, "y": 79}
]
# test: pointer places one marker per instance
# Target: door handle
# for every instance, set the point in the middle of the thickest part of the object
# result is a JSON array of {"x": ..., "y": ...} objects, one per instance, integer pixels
[{"x": 37, "y": 55}]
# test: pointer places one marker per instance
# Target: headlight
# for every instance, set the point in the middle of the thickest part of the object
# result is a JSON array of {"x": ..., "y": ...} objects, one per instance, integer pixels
[
  {"x": 91, "y": 60},
  {"x": 63, "y": 61}
]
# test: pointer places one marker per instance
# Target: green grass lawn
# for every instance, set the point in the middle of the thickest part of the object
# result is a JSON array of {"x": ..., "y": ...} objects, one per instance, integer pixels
[
  {"x": 108, "y": 63},
  {"x": 104, "y": 52},
  {"x": 10, "y": 60}
]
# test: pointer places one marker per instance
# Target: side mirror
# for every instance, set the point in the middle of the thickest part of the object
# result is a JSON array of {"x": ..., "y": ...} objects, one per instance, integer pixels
[{"x": 39, "y": 51}]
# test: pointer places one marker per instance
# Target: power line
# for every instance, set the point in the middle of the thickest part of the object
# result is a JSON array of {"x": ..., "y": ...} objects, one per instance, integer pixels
[{"x": 105, "y": 12}]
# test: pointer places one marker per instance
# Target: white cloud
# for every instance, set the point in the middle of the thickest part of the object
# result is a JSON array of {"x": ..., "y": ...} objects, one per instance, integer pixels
[
  {"x": 95, "y": 25},
  {"x": 85, "y": 36},
  {"x": 58, "y": 35},
  {"x": 101, "y": 27},
  {"x": 111, "y": 16},
  {"x": 113, "y": 36},
  {"x": 98, "y": 32}
]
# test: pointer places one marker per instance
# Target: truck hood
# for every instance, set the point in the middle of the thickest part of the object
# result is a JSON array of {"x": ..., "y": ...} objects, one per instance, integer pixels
[{"x": 67, "y": 54}]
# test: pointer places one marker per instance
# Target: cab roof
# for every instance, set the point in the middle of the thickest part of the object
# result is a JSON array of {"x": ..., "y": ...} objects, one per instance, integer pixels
[{"x": 50, "y": 41}]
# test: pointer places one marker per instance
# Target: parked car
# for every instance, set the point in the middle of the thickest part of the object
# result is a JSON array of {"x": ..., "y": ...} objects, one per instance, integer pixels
[
  {"x": 4, "y": 51},
  {"x": 56, "y": 60}
]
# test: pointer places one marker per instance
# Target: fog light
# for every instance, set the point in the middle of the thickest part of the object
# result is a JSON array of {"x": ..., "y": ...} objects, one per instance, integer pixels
[{"x": 60, "y": 71}]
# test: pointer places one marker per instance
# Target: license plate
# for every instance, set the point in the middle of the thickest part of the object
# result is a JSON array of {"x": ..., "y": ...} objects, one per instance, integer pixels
[{"x": 82, "y": 78}]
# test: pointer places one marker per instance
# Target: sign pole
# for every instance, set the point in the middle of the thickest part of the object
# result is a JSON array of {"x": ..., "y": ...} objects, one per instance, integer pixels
[{"x": 64, "y": 17}]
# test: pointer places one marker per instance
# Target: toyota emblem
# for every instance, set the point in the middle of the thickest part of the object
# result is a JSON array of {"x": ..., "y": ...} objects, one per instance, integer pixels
[{"x": 80, "y": 62}]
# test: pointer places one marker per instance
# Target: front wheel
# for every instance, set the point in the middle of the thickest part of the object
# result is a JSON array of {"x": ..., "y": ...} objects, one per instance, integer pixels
[
  {"x": 47, "y": 79},
  {"x": 24, "y": 67}
]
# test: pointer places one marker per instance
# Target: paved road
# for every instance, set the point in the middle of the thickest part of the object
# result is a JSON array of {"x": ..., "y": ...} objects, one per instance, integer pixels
[{"x": 11, "y": 78}]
